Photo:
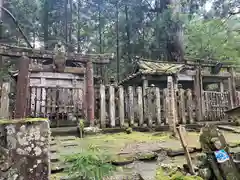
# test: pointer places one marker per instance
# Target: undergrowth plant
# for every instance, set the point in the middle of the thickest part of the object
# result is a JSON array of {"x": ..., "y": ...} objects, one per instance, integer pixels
[{"x": 90, "y": 164}]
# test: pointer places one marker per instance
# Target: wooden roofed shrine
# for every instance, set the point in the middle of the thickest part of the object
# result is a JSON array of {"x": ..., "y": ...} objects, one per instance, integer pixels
[
  {"x": 37, "y": 69},
  {"x": 193, "y": 75}
]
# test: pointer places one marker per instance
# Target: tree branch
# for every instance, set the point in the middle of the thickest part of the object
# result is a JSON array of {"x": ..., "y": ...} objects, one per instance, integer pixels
[{"x": 18, "y": 26}]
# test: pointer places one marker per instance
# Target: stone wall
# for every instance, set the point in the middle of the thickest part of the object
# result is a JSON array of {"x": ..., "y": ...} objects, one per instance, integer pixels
[{"x": 24, "y": 149}]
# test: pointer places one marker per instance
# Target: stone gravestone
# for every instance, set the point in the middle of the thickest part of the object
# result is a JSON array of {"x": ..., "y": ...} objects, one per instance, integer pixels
[
  {"x": 218, "y": 156},
  {"x": 24, "y": 149}
]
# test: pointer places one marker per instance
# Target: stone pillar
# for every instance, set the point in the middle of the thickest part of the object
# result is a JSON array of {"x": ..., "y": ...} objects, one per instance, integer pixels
[
  {"x": 24, "y": 149},
  {"x": 90, "y": 92}
]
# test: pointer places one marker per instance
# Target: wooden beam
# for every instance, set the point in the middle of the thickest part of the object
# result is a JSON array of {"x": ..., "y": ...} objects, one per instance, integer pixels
[
  {"x": 14, "y": 51},
  {"x": 22, "y": 88}
]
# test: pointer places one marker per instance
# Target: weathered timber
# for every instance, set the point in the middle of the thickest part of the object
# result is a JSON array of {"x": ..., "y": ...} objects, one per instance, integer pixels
[
  {"x": 131, "y": 105},
  {"x": 182, "y": 107},
  {"x": 90, "y": 92},
  {"x": 112, "y": 111},
  {"x": 190, "y": 106},
  {"x": 102, "y": 106},
  {"x": 158, "y": 105},
  {"x": 22, "y": 88},
  {"x": 171, "y": 106},
  {"x": 149, "y": 107},
  {"x": 140, "y": 105},
  {"x": 14, "y": 51},
  {"x": 49, "y": 68},
  {"x": 121, "y": 105},
  {"x": 212, "y": 142},
  {"x": 4, "y": 109},
  {"x": 232, "y": 85},
  {"x": 198, "y": 93},
  {"x": 180, "y": 130}
]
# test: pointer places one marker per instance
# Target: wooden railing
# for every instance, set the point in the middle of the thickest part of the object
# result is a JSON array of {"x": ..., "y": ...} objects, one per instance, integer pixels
[{"x": 116, "y": 106}]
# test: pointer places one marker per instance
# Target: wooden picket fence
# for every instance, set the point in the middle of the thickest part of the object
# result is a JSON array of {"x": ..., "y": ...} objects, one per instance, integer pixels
[{"x": 118, "y": 105}]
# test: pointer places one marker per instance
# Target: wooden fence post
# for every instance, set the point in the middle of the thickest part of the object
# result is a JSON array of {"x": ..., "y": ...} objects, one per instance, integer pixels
[
  {"x": 149, "y": 106},
  {"x": 4, "y": 110},
  {"x": 121, "y": 106},
  {"x": 158, "y": 105},
  {"x": 198, "y": 94},
  {"x": 189, "y": 106},
  {"x": 140, "y": 105},
  {"x": 171, "y": 106},
  {"x": 182, "y": 106},
  {"x": 90, "y": 92},
  {"x": 112, "y": 112},
  {"x": 131, "y": 108},
  {"x": 165, "y": 105},
  {"x": 22, "y": 88},
  {"x": 102, "y": 106}
]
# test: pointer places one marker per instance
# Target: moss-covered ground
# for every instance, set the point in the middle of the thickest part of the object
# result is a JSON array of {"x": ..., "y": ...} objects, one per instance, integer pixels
[{"x": 123, "y": 147}]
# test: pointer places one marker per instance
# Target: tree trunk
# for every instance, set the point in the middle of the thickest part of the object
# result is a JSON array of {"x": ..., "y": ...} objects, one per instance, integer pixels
[
  {"x": 78, "y": 27},
  {"x": 128, "y": 34},
  {"x": 117, "y": 30},
  {"x": 66, "y": 21},
  {"x": 45, "y": 24},
  {"x": 70, "y": 47}
]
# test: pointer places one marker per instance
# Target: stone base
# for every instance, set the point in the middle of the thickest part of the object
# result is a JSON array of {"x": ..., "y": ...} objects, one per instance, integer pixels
[{"x": 24, "y": 149}]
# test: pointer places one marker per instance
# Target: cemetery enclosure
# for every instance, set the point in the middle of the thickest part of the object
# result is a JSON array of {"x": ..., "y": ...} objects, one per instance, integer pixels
[{"x": 117, "y": 105}]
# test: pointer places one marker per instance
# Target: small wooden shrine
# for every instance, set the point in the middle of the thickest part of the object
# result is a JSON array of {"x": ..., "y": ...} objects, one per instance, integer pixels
[
  {"x": 193, "y": 75},
  {"x": 54, "y": 84}
]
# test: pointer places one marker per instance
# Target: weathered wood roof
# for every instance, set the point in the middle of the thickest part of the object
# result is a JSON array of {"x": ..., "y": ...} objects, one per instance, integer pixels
[
  {"x": 147, "y": 67},
  {"x": 143, "y": 67}
]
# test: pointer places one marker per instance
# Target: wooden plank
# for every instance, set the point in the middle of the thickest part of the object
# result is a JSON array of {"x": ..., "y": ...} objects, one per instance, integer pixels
[
  {"x": 145, "y": 86},
  {"x": 180, "y": 130},
  {"x": 112, "y": 116},
  {"x": 90, "y": 93},
  {"x": 55, "y": 75},
  {"x": 73, "y": 70},
  {"x": 149, "y": 107},
  {"x": 198, "y": 92},
  {"x": 158, "y": 106},
  {"x": 102, "y": 106},
  {"x": 121, "y": 106},
  {"x": 14, "y": 51},
  {"x": 165, "y": 105},
  {"x": 140, "y": 105},
  {"x": 189, "y": 106},
  {"x": 22, "y": 88},
  {"x": 4, "y": 109},
  {"x": 233, "y": 85},
  {"x": 171, "y": 106},
  {"x": 182, "y": 106},
  {"x": 131, "y": 105}
]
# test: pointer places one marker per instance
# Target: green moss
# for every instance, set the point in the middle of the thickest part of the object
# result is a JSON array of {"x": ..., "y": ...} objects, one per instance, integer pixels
[
  {"x": 174, "y": 175},
  {"x": 57, "y": 176},
  {"x": 15, "y": 121},
  {"x": 122, "y": 159},
  {"x": 146, "y": 156}
]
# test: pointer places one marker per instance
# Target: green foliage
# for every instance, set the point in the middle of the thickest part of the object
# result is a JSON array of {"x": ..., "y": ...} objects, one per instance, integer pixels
[
  {"x": 212, "y": 39},
  {"x": 128, "y": 130},
  {"x": 90, "y": 164},
  {"x": 173, "y": 175}
]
